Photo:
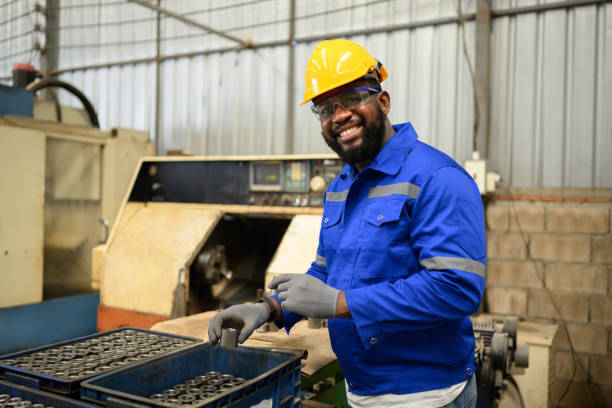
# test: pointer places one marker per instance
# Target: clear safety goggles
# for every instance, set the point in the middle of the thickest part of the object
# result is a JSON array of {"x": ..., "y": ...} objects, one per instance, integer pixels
[{"x": 348, "y": 99}]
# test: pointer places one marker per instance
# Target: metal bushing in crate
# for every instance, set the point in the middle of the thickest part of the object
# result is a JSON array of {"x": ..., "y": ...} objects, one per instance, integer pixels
[{"x": 62, "y": 366}]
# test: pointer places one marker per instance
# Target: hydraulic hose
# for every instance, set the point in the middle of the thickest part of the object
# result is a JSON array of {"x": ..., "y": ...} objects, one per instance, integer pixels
[{"x": 48, "y": 82}]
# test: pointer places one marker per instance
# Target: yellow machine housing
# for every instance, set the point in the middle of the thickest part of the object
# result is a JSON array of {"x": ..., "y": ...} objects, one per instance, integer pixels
[
  {"x": 57, "y": 182},
  {"x": 199, "y": 233}
]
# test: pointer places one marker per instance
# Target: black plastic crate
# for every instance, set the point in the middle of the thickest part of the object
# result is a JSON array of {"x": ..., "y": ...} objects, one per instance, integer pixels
[
  {"x": 61, "y": 367},
  {"x": 40, "y": 397},
  {"x": 269, "y": 375}
]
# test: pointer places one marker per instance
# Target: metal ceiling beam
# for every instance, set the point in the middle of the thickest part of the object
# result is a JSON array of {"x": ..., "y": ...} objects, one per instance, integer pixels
[
  {"x": 190, "y": 22},
  {"x": 495, "y": 13},
  {"x": 290, "y": 81}
]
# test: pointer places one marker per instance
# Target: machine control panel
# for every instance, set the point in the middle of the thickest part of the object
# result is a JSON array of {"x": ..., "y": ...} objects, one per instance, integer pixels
[
  {"x": 297, "y": 183},
  {"x": 289, "y": 181}
]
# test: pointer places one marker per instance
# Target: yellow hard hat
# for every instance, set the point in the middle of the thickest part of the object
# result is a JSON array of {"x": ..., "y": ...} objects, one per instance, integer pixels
[{"x": 337, "y": 62}]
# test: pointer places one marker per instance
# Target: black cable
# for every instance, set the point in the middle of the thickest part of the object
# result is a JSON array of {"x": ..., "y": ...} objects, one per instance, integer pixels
[
  {"x": 10, "y": 20},
  {"x": 199, "y": 35},
  {"x": 279, "y": 21},
  {"x": 14, "y": 37},
  {"x": 88, "y": 5},
  {"x": 144, "y": 19},
  {"x": 15, "y": 54},
  {"x": 107, "y": 44},
  {"x": 8, "y": 3},
  {"x": 44, "y": 83},
  {"x": 472, "y": 76},
  {"x": 107, "y": 24},
  {"x": 228, "y": 6},
  {"x": 512, "y": 381}
]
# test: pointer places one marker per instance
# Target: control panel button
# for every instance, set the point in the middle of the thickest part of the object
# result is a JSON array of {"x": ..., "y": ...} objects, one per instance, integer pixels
[{"x": 317, "y": 184}]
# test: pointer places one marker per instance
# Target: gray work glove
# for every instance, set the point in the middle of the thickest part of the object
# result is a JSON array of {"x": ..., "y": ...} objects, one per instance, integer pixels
[
  {"x": 306, "y": 295},
  {"x": 246, "y": 318}
]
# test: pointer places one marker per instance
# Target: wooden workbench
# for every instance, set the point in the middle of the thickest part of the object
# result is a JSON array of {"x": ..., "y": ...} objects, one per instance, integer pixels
[{"x": 315, "y": 341}]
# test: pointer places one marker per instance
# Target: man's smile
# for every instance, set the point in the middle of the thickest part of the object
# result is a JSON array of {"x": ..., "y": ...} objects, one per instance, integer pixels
[{"x": 349, "y": 136}]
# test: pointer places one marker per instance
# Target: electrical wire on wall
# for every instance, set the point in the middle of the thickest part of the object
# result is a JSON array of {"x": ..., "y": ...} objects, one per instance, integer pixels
[
  {"x": 472, "y": 75},
  {"x": 196, "y": 35}
]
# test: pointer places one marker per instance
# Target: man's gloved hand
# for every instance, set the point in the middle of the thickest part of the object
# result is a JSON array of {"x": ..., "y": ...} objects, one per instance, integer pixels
[
  {"x": 306, "y": 295},
  {"x": 245, "y": 317}
]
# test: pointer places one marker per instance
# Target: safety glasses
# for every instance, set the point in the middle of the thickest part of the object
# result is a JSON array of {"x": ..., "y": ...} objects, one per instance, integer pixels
[{"x": 348, "y": 99}]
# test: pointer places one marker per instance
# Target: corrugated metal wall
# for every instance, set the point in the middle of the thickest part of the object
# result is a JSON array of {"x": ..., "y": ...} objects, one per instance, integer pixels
[
  {"x": 18, "y": 37},
  {"x": 235, "y": 102},
  {"x": 551, "y": 78},
  {"x": 551, "y": 81}
]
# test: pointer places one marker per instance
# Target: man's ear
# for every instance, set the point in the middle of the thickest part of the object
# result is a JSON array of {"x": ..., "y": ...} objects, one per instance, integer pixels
[{"x": 384, "y": 100}]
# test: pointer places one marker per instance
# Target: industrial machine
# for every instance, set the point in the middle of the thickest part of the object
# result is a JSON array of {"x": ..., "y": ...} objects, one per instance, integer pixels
[
  {"x": 62, "y": 184},
  {"x": 496, "y": 353},
  {"x": 199, "y": 233}
]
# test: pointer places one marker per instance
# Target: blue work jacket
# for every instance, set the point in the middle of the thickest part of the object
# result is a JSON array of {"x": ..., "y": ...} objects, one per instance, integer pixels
[{"x": 405, "y": 239}]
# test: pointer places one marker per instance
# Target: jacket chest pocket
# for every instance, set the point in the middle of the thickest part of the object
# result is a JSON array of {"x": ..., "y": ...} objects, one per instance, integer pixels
[
  {"x": 330, "y": 225},
  {"x": 384, "y": 240},
  {"x": 384, "y": 222}
]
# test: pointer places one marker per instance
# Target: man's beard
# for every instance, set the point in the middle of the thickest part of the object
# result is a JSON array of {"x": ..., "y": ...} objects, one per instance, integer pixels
[{"x": 371, "y": 143}]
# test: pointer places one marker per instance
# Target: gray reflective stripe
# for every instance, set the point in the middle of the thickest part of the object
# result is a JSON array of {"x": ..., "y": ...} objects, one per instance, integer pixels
[
  {"x": 407, "y": 189},
  {"x": 336, "y": 196},
  {"x": 320, "y": 260},
  {"x": 463, "y": 264}
]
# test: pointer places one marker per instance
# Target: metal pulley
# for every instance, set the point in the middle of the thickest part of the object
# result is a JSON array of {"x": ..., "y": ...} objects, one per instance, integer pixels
[
  {"x": 212, "y": 264},
  {"x": 495, "y": 353}
]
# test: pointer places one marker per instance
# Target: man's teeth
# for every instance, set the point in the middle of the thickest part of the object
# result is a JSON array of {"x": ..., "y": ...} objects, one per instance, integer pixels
[{"x": 348, "y": 131}]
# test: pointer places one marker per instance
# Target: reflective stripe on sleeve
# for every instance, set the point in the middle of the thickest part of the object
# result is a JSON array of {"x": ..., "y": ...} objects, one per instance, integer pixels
[
  {"x": 462, "y": 264},
  {"x": 407, "y": 189},
  {"x": 336, "y": 196},
  {"x": 321, "y": 261}
]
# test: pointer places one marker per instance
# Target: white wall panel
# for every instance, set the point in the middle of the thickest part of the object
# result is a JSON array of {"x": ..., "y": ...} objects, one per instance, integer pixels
[
  {"x": 603, "y": 87},
  {"x": 550, "y": 115},
  {"x": 552, "y": 106},
  {"x": 122, "y": 96},
  {"x": 581, "y": 114}
]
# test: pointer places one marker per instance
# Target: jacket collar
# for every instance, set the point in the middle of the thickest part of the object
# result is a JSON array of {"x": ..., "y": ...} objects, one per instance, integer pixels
[{"x": 390, "y": 158}]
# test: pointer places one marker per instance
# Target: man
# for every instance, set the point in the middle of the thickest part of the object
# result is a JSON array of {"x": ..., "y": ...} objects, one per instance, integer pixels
[{"x": 400, "y": 264}]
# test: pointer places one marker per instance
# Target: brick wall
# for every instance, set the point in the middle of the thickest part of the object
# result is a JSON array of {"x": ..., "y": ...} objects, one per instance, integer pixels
[{"x": 563, "y": 244}]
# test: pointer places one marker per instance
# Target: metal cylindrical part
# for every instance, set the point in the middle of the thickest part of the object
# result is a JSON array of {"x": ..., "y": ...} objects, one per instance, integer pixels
[
  {"x": 194, "y": 391},
  {"x": 226, "y": 377},
  {"x": 170, "y": 393},
  {"x": 193, "y": 382},
  {"x": 521, "y": 356},
  {"x": 314, "y": 323},
  {"x": 186, "y": 398},
  {"x": 208, "y": 388},
  {"x": 180, "y": 387},
  {"x": 215, "y": 382},
  {"x": 23, "y": 74},
  {"x": 229, "y": 337}
]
